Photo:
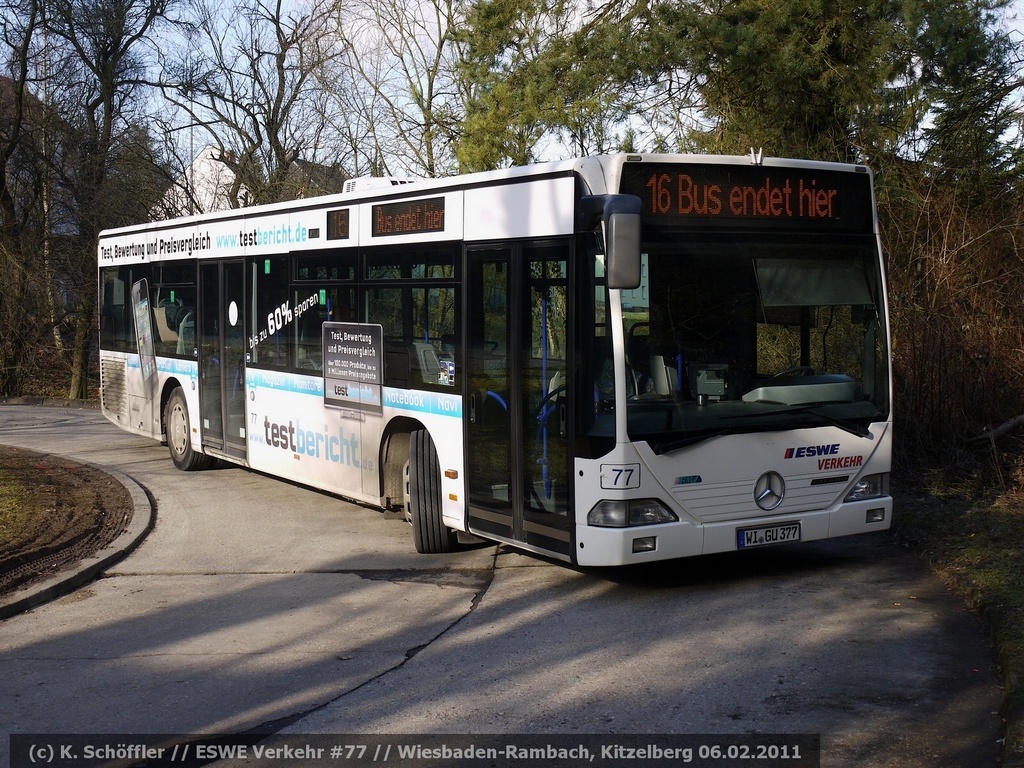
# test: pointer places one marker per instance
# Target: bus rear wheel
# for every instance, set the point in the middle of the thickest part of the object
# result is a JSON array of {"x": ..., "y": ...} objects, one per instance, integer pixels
[
  {"x": 179, "y": 434},
  {"x": 429, "y": 532}
]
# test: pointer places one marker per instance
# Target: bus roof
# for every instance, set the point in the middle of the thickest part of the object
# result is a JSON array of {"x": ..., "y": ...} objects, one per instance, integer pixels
[{"x": 600, "y": 172}]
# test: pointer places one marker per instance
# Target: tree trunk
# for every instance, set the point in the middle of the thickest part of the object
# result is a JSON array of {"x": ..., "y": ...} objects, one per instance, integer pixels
[{"x": 84, "y": 333}]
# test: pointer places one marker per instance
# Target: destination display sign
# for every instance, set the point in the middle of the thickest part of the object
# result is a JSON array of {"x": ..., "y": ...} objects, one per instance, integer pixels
[
  {"x": 409, "y": 217},
  {"x": 353, "y": 366},
  {"x": 693, "y": 195},
  {"x": 337, "y": 224}
]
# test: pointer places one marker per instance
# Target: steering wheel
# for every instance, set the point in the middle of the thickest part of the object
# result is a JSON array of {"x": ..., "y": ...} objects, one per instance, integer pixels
[{"x": 541, "y": 412}]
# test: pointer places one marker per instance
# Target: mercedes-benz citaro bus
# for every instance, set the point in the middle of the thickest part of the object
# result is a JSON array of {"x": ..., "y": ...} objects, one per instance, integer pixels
[{"x": 606, "y": 360}]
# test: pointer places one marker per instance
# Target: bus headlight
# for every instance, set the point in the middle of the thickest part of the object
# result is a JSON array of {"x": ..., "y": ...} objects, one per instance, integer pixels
[
  {"x": 621, "y": 513},
  {"x": 869, "y": 487}
]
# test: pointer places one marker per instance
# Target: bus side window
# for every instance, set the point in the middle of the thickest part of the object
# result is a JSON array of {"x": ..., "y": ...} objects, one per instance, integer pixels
[
  {"x": 175, "y": 319},
  {"x": 117, "y": 316},
  {"x": 269, "y": 344},
  {"x": 321, "y": 292},
  {"x": 420, "y": 332},
  {"x": 187, "y": 333},
  {"x": 397, "y": 365},
  {"x": 309, "y": 345},
  {"x": 314, "y": 306},
  {"x": 114, "y": 307}
]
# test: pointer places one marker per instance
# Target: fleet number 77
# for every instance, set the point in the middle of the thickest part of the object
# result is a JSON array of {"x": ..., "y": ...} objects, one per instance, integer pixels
[{"x": 620, "y": 475}]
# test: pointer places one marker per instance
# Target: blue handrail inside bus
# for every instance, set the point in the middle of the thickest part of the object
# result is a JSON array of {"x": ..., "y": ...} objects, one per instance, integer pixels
[{"x": 545, "y": 412}]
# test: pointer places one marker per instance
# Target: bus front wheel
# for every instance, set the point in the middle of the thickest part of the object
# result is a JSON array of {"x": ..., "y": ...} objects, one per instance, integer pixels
[
  {"x": 179, "y": 434},
  {"x": 429, "y": 532}
]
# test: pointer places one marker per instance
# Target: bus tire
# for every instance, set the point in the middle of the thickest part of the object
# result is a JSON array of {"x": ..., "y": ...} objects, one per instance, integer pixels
[
  {"x": 179, "y": 432},
  {"x": 429, "y": 532}
]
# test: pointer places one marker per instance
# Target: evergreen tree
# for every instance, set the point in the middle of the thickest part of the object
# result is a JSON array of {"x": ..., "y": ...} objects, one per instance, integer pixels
[
  {"x": 805, "y": 78},
  {"x": 539, "y": 70},
  {"x": 968, "y": 74}
]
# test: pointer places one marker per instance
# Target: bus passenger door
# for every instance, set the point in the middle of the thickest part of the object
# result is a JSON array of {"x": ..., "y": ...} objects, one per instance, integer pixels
[
  {"x": 517, "y": 451},
  {"x": 221, "y": 341}
]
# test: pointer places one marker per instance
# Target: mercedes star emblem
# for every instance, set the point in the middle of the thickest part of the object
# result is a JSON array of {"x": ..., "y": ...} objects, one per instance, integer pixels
[{"x": 769, "y": 490}]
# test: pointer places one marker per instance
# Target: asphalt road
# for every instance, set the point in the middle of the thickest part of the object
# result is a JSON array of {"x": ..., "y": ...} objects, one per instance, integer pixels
[{"x": 254, "y": 603}]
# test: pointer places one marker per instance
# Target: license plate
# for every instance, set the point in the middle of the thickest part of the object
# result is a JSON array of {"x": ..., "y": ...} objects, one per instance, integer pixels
[{"x": 774, "y": 534}]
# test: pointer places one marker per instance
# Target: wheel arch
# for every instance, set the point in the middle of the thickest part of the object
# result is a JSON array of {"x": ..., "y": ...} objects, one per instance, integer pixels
[
  {"x": 169, "y": 386},
  {"x": 391, "y": 459}
]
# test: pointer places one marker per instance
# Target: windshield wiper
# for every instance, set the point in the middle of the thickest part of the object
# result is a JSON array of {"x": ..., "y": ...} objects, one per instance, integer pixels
[
  {"x": 675, "y": 445},
  {"x": 843, "y": 424}
]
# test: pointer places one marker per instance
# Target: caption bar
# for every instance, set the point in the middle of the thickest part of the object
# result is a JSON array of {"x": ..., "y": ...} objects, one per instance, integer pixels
[{"x": 418, "y": 750}]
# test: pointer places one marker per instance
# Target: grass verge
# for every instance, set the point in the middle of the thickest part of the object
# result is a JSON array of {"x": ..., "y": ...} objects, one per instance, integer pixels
[
  {"x": 20, "y": 517},
  {"x": 975, "y": 542},
  {"x": 53, "y": 513}
]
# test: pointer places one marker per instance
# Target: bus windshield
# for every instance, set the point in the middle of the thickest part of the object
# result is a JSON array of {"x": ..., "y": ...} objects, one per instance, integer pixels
[{"x": 751, "y": 333}]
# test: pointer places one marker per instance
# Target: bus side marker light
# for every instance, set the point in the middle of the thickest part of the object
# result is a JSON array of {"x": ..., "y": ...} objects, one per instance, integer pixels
[
  {"x": 453, "y": 496},
  {"x": 451, "y": 474}
]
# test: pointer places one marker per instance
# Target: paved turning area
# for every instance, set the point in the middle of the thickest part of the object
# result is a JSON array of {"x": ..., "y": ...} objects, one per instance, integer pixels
[{"x": 257, "y": 603}]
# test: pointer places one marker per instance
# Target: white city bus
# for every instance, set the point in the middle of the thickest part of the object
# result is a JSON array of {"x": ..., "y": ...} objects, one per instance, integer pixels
[{"x": 606, "y": 360}]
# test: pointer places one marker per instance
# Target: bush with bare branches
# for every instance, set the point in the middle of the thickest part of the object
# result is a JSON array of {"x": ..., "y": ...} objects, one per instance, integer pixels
[{"x": 956, "y": 281}]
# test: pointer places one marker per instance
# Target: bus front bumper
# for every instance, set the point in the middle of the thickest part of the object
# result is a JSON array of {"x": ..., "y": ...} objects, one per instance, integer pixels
[{"x": 640, "y": 544}]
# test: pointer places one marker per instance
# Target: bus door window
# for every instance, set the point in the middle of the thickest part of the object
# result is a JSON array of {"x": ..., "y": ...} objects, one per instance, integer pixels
[
  {"x": 233, "y": 346},
  {"x": 211, "y": 370},
  {"x": 544, "y": 378},
  {"x": 222, "y": 349},
  {"x": 518, "y": 392},
  {"x": 489, "y": 458}
]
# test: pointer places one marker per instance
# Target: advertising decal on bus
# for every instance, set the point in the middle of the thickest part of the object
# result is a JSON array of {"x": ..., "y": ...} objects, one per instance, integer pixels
[
  {"x": 144, "y": 329},
  {"x": 281, "y": 317},
  {"x": 352, "y": 366}
]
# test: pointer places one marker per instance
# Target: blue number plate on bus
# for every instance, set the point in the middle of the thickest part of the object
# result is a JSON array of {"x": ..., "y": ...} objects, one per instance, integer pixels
[{"x": 774, "y": 534}]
